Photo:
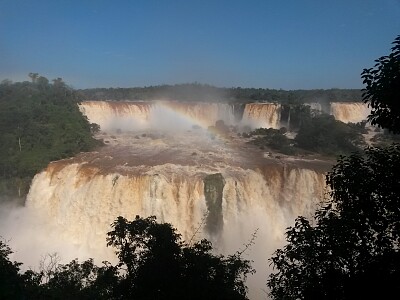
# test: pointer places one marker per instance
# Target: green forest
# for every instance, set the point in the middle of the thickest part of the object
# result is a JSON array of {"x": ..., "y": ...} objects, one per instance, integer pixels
[
  {"x": 39, "y": 122},
  {"x": 204, "y": 92}
]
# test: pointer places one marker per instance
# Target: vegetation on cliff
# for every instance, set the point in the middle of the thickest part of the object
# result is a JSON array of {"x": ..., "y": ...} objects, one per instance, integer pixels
[
  {"x": 315, "y": 132},
  {"x": 204, "y": 92},
  {"x": 39, "y": 122}
]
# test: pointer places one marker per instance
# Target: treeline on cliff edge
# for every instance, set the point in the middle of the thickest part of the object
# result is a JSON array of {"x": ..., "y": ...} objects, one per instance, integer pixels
[
  {"x": 205, "y": 92},
  {"x": 39, "y": 122}
]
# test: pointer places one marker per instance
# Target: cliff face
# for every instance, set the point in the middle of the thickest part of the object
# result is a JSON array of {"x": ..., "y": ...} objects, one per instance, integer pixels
[
  {"x": 77, "y": 200},
  {"x": 213, "y": 194},
  {"x": 81, "y": 200}
]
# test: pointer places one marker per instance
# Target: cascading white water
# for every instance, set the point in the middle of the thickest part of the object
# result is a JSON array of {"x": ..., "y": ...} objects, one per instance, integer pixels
[
  {"x": 79, "y": 202},
  {"x": 204, "y": 113},
  {"x": 128, "y": 115},
  {"x": 112, "y": 115},
  {"x": 265, "y": 115},
  {"x": 83, "y": 201},
  {"x": 352, "y": 112}
]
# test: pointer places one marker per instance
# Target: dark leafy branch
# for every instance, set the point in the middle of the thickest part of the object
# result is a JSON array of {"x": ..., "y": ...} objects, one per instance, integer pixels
[{"x": 154, "y": 263}]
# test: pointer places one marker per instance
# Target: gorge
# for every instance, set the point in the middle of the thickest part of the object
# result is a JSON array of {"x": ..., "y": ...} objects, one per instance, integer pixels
[{"x": 160, "y": 159}]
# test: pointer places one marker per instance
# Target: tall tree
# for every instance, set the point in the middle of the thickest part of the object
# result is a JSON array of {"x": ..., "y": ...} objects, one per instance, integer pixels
[
  {"x": 11, "y": 282},
  {"x": 355, "y": 241},
  {"x": 382, "y": 91},
  {"x": 160, "y": 266},
  {"x": 352, "y": 250},
  {"x": 33, "y": 76},
  {"x": 153, "y": 264}
]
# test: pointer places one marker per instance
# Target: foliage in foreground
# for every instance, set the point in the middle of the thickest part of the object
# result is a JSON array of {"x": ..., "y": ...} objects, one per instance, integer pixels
[
  {"x": 382, "y": 91},
  {"x": 355, "y": 241},
  {"x": 153, "y": 264},
  {"x": 353, "y": 249},
  {"x": 204, "y": 92}
]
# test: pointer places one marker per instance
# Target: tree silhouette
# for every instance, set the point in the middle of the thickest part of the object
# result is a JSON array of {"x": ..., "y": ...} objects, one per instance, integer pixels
[
  {"x": 356, "y": 237},
  {"x": 11, "y": 282},
  {"x": 153, "y": 264},
  {"x": 351, "y": 251},
  {"x": 159, "y": 265},
  {"x": 382, "y": 91}
]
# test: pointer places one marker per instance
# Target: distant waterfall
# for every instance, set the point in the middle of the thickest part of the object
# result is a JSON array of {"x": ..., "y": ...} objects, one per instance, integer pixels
[
  {"x": 113, "y": 115},
  {"x": 353, "y": 112},
  {"x": 128, "y": 115},
  {"x": 265, "y": 115}
]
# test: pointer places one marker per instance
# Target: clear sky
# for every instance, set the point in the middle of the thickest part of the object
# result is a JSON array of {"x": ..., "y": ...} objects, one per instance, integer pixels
[{"x": 297, "y": 44}]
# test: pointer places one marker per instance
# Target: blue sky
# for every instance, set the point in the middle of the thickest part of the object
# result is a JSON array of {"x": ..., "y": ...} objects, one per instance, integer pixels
[{"x": 297, "y": 44}]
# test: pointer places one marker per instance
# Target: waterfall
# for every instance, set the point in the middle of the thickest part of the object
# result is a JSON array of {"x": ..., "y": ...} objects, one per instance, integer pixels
[
  {"x": 265, "y": 115},
  {"x": 79, "y": 202},
  {"x": 126, "y": 115},
  {"x": 83, "y": 200},
  {"x": 353, "y": 112},
  {"x": 222, "y": 190}
]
